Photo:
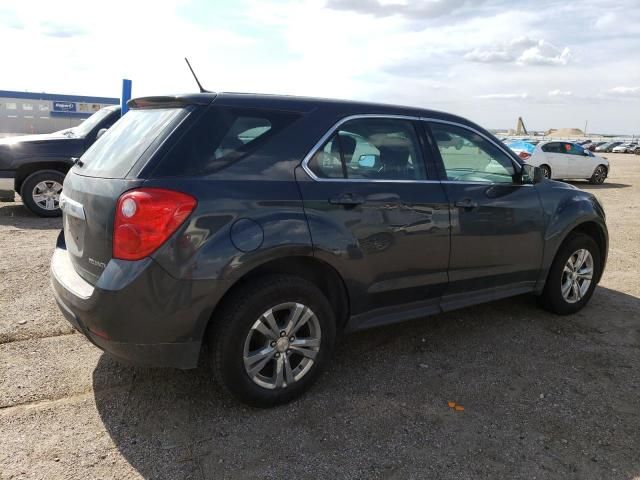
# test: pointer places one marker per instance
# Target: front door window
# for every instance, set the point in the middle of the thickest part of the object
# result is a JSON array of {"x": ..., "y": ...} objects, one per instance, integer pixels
[{"x": 469, "y": 157}]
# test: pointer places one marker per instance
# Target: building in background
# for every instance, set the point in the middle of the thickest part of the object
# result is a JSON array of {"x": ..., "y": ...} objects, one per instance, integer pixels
[{"x": 26, "y": 112}]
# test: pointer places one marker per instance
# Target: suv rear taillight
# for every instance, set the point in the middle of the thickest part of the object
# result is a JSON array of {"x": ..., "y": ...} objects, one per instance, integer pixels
[
  {"x": 524, "y": 155},
  {"x": 145, "y": 218}
]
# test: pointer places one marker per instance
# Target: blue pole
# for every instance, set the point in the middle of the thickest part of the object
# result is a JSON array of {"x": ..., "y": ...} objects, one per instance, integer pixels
[{"x": 126, "y": 95}]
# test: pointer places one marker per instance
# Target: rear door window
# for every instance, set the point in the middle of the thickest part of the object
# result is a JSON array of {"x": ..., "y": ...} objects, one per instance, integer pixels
[
  {"x": 371, "y": 149},
  {"x": 223, "y": 136},
  {"x": 117, "y": 151},
  {"x": 574, "y": 149}
]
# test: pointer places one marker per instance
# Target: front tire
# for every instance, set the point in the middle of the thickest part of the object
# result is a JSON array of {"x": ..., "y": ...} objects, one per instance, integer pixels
[
  {"x": 40, "y": 192},
  {"x": 272, "y": 339},
  {"x": 573, "y": 275},
  {"x": 599, "y": 175}
]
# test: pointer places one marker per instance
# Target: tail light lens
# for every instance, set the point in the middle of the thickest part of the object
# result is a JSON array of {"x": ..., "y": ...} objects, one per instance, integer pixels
[
  {"x": 145, "y": 218},
  {"x": 524, "y": 155}
]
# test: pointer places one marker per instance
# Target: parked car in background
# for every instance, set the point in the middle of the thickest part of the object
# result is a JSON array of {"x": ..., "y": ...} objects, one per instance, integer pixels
[
  {"x": 567, "y": 161},
  {"x": 35, "y": 165},
  {"x": 592, "y": 146},
  {"x": 263, "y": 225},
  {"x": 625, "y": 148},
  {"x": 522, "y": 148},
  {"x": 608, "y": 147}
]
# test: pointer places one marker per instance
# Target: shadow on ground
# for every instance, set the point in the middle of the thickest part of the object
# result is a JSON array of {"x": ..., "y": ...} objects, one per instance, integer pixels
[
  {"x": 16, "y": 215},
  {"x": 604, "y": 186},
  {"x": 544, "y": 396}
]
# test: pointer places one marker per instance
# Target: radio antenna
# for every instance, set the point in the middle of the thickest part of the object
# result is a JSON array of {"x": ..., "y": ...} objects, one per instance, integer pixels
[{"x": 202, "y": 90}]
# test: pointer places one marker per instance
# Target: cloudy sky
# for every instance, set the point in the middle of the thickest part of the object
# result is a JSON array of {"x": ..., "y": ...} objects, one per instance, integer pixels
[{"x": 557, "y": 64}]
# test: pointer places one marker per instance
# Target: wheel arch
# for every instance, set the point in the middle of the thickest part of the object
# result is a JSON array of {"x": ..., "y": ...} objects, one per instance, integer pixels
[
  {"x": 606, "y": 167},
  {"x": 591, "y": 227},
  {"x": 24, "y": 171},
  {"x": 320, "y": 273}
]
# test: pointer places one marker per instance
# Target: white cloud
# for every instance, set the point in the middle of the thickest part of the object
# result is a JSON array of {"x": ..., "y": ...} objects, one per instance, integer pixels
[
  {"x": 625, "y": 91},
  {"x": 545, "y": 53},
  {"x": 424, "y": 9},
  {"x": 560, "y": 93},
  {"x": 523, "y": 51},
  {"x": 489, "y": 56},
  {"x": 504, "y": 96}
]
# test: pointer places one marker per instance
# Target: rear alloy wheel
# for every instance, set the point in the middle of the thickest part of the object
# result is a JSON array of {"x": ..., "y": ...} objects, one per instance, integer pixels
[
  {"x": 281, "y": 345},
  {"x": 272, "y": 339},
  {"x": 599, "y": 174},
  {"x": 41, "y": 191},
  {"x": 546, "y": 171},
  {"x": 573, "y": 275}
]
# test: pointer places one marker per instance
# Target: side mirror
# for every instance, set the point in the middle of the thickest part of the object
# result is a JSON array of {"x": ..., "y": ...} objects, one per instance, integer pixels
[
  {"x": 530, "y": 174},
  {"x": 367, "y": 161},
  {"x": 100, "y": 133},
  {"x": 586, "y": 153}
]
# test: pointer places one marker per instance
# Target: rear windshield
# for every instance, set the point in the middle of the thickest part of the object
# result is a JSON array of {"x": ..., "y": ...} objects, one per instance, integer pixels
[
  {"x": 223, "y": 136},
  {"x": 117, "y": 151}
]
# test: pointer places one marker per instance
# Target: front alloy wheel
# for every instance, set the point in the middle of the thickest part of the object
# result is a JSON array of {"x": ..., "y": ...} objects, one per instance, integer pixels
[
  {"x": 577, "y": 275},
  {"x": 281, "y": 345},
  {"x": 573, "y": 275}
]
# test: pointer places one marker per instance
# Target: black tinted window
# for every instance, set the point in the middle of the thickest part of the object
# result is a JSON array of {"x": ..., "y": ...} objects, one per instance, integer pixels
[
  {"x": 553, "y": 147},
  {"x": 222, "y": 136}
]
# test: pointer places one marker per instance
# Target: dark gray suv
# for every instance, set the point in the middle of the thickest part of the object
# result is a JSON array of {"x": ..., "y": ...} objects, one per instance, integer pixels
[{"x": 263, "y": 226}]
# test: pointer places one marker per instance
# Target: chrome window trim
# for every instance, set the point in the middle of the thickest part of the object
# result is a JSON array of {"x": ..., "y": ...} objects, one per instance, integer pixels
[
  {"x": 334, "y": 128},
  {"x": 332, "y": 131}
]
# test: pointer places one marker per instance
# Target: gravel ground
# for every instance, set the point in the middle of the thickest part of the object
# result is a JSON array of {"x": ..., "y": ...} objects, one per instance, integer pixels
[{"x": 543, "y": 396}]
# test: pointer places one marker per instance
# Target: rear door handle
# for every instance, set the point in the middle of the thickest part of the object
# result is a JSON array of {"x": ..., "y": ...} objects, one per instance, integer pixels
[
  {"x": 346, "y": 199},
  {"x": 466, "y": 203}
]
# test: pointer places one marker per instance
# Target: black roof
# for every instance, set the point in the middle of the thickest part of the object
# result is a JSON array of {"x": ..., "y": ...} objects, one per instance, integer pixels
[{"x": 292, "y": 103}]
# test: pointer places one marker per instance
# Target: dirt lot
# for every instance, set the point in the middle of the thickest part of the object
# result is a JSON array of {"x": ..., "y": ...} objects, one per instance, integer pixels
[{"x": 544, "y": 396}]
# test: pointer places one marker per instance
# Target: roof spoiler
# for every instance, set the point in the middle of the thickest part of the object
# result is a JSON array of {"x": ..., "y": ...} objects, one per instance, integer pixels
[{"x": 170, "y": 101}]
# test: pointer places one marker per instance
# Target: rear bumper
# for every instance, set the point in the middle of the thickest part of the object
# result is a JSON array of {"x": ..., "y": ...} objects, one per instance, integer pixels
[{"x": 136, "y": 312}]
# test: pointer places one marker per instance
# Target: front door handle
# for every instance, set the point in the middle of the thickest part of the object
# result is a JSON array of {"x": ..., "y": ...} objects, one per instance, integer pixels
[
  {"x": 350, "y": 199},
  {"x": 466, "y": 203}
]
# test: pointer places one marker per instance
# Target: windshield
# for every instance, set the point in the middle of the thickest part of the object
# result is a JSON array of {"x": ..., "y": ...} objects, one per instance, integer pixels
[
  {"x": 89, "y": 124},
  {"x": 117, "y": 151}
]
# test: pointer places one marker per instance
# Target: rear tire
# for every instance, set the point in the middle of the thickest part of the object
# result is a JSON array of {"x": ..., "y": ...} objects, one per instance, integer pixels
[
  {"x": 556, "y": 297},
  {"x": 291, "y": 361},
  {"x": 599, "y": 175},
  {"x": 546, "y": 171},
  {"x": 40, "y": 192}
]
